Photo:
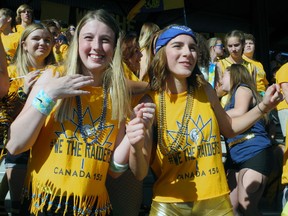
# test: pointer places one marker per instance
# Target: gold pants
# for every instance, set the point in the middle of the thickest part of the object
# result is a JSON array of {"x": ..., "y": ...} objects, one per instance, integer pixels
[{"x": 218, "y": 206}]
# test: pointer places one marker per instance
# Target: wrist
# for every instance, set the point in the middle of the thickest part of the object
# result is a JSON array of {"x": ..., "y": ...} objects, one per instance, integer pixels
[
  {"x": 43, "y": 102},
  {"x": 116, "y": 167},
  {"x": 262, "y": 108}
]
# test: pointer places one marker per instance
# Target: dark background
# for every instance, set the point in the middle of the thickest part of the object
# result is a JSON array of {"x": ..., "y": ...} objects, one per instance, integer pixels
[{"x": 266, "y": 19}]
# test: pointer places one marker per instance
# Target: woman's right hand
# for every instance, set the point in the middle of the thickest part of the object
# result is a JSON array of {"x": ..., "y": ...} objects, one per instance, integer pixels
[
  {"x": 30, "y": 80},
  {"x": 62, "y": 87},
  {"x": 272, "y": 98}
]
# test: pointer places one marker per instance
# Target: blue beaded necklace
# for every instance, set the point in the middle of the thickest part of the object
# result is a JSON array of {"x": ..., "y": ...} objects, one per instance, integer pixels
[{"x": 88, "y": 131}]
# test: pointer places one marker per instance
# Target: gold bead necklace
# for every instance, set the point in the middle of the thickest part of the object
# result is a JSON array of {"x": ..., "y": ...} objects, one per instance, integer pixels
[{"x": 171, "y": 148}]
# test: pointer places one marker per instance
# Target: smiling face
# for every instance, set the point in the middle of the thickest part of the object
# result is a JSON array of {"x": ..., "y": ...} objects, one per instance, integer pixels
[
  {"x": 38, "y": 45},
  {"x": 96, "y": 46},
  {"x": 181, "y": 54}
]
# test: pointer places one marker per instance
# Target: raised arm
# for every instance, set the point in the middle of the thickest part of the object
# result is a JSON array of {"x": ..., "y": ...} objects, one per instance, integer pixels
[{"x": 230, "y": 127}]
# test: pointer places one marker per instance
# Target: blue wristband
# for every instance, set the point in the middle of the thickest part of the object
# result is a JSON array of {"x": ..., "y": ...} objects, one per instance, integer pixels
[{"x": 43, "y": 103}]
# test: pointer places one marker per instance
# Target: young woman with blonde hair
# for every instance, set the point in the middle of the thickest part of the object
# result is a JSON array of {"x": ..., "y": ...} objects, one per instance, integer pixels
[{"x": 76, "y": 142}]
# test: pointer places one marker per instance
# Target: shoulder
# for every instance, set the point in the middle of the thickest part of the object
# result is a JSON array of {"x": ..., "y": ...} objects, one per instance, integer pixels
[
  {"x": 283, "y": 68},
  {"x": 243, "y": 90}
]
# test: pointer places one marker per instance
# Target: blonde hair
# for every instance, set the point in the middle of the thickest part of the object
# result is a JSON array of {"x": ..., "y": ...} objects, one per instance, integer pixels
[
  {"x": 147, "y": 31},
  {"x": 113, "y": 81},
  {"x": 20, "y": 9},
  {"x": 212, "y": 41},
  {"x": 147, "y": 36},
  {"x": 21, "y": 59}
]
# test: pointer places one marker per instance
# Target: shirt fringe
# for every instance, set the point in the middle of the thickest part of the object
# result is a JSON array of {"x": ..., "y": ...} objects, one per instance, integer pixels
[{"x": 98, "y": 205}]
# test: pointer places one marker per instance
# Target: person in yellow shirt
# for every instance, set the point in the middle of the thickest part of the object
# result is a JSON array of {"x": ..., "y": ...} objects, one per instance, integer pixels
[
  {"x": 33, "y": 56},
  {"x": 187, "y": 161},
  {"x": 234, "y": 43},
  {"x": 10, "y": 39},
  {"x": 24, "y": 17},
  {"x": 282, "y": 108},
  {"x": 76, "y": 128},
  {"x": 4, "y": 80},
  {"x": 61, "y": 46},
  {"x": 248, "y": 55},
  {"x": 282, "y": 79},
  {"x": 4, "y": 87}
]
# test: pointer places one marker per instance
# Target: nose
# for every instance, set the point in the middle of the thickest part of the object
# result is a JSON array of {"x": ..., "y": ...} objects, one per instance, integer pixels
[
  {"x": 96, "y": 44},
  {"x": 234, "y": 48},
  {"x": 42, "y": 41},
  {"x": 186, "y": 50}
]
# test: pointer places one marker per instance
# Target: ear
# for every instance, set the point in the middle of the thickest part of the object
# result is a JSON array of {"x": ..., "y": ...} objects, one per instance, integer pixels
[{"x": 23, "y": 44}]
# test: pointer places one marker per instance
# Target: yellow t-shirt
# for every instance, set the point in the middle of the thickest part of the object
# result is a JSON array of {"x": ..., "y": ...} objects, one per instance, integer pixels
[
  {"x": 10, "y": 44},
  {"x": 282, "y": 76},
  {"x": 20, "y": 29},
  {"x": 131, "y": 76},
  {"x": 63, "y": 164},
  {"x": 129, "y": 73},
  {"x": 63, "y": 53},
  {"x": 195, "y": 171},
  {"x": 261, "y": 80},
  {"x": 18, "y": 81}
]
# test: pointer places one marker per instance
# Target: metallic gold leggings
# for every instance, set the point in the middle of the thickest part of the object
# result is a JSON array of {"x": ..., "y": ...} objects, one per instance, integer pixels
[{"x": 218, "y": 206}]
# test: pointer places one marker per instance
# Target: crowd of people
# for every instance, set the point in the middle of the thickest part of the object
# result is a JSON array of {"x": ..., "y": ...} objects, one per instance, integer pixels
[{"x": 88, "y": 110}]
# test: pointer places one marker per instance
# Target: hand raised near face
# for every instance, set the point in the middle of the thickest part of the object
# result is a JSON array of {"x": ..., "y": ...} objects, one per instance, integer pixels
[{"x": 57, "y": 86}]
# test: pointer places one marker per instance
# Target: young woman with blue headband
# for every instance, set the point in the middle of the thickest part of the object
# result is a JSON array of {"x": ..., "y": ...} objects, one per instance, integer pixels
[{"x": 187, "y": 161}]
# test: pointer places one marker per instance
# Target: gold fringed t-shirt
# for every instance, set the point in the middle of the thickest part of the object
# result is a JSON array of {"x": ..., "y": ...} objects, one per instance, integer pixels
[
  {"x": 194, "y": 172},
  {"x": 63, "y": 165}
]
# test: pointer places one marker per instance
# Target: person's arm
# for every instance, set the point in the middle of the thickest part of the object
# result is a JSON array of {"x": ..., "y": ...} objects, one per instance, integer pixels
[
  {"x": 4, "y": 78},
  {"x": 231, "y": 127},
  {"x": 135, "y": 147},
  {"x": 30, "y": 120},
  {"x": 243, "y": 100},
  {"x": 137, "y": 87}
]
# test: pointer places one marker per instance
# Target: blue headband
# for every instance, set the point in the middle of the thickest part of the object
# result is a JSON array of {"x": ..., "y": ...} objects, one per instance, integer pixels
[{"x": 171, "y": 33}]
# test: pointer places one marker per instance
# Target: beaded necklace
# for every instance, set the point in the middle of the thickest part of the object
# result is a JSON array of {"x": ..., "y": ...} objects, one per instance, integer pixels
[
  {"x": 88, "y": 131},
  {"x": 173, "y": 147}
]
